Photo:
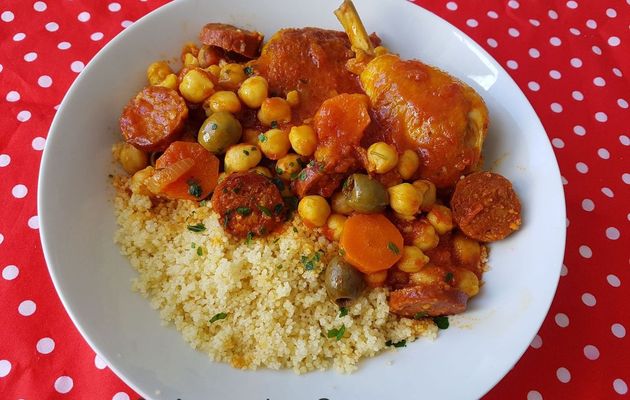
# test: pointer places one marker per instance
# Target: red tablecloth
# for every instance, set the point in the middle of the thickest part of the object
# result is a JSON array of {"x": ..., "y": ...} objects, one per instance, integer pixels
[{"x": 572, "y": 60}]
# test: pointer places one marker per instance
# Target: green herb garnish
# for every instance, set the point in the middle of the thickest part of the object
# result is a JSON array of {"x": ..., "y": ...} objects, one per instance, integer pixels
[
  {"x": 277, "y": 209},
  {"x": 203, "y": 203},
  {"x": 337, "y": 333},
  {"x": 393, "y": 248},
  {"x": 194, "y": 189},
  {"x": 420, "y": 315},
  {"x": 248, "y": 70},
  {"x": 264, "y": 210},
  {"x": 402, "y": 343},
  {"x": 302, "y": 175},
  {"x": 262, "y": 138},
  {"x": 244, "y": 211},
  {"x": 250, "y": 236},
  {"x": 200, "y": 227},
  {"x": 441, "y": 322},
  {"x": 343, "y": 311},
  {"x": 448, "y": 278},
  {"x": 274, "y": 124},
  {"x": 295, "y": 229},
  {"x": 279, "y": 171},
  {"x": 200, "y": 251},
  {"x": 246, "y": 152},
  {"x": 309, "y": 263},
  {"x": 218, "y": 316}
]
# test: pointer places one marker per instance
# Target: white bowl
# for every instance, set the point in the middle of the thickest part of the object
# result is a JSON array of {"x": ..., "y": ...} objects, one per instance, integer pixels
[{"x": 93, "y": 280}]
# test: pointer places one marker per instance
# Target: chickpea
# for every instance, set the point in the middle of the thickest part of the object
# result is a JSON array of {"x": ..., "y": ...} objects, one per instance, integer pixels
[
  {"x": 196, "y": 86},
  {"x": 231, "y": 76},
  {"x": 251, "y": 136},
  {"x": 264, "y": 171},
  {"x": 288, "y": 166},
  {"x": 314, "y": 210},
  {"x": 254, "y": 91},
  {"x": 241, "y": 157},
  {"x": 274, "y": 109},
  {"x": 466, "y": 281},
  {"x": 215, "y": 70},
  {"x": 190, "y": 61},
  {"x": 413, "y": 259},
  {"x": 335, "y": 224},
  {"x": 274, "y": 143},
  {"x": 428, "y": 275},
  {"x": 340, "y": 205},
  {"x": 467, "y": 251},
  {"x": 189, "y": 48},
  {"x": 169, "y": 82},
  {"x": 380, "y": 50},
  {"x": 427, "y": 193},
  {"x": 441, "y": 218},
  {"x": 223, "y": 100},
  {"x": 303, "y": 139},
  {"x": 208, "y": 56},
  {"x": 293, "y": 98},
  {"x": 382, "y": 157},
  {"x": 157, "y": 72},
  {"x": 404, "y": 199},
  {"x": 376, "y": 279},
  {"x": 137, "y": 185},
  {"x": 130, "y": 158},
  {"x": 408, "y": 164},
  {"x": 425, "y": 236}
]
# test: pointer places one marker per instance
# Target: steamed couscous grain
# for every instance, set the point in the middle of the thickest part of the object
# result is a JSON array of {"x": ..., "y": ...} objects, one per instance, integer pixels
[{"x": 252, "y": 303}]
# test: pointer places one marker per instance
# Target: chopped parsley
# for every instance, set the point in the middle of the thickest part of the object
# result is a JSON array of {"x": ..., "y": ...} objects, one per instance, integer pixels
[
  {"x": 249, "y": 71},
  {"x": 302, "y": 175},
  {"x": 448, "y": 278},
  {"x": 402, "y": 343},
  {"x": 310, "y": 262},
  {"x": 203, "y": 203},
  {"x": 420, "y": 315},
  {"x": 343, "y": 311},
  {"x": 264, "y": 210},
  {"x": 218, "y": 316},
  {"x": 342, "y": 252},
  {"x": 262, "y": 138},
  {"x": 441, "y": 322},
  {"x": 276, "y": 240},
  {"x": 279, "y": 170},
  {"x": 250, "y": 236},
  {"x": 237, "y": 189},
  {"x": 244, "y": 211},
  {"x": 277, "y": 209},
  {"x": 393, "y": 248},
  {"x": 337, "y": 333},
  {"x": 194, "y": 189},
  {"x": 274, "y": 124},
  {"x": 200, "y": 227},
  {"x": 193, "y": 245},
  {"x": 214, "y": 126},
  {"x": 200, "y": 251},
  {"x": 278, "y": 182},
  {"x": 246, "y": 152},
  {"x": 295, "y": 229}
]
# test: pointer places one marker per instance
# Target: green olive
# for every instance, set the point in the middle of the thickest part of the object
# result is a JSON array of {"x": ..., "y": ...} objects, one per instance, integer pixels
[
  {"x": 364, "y": 194},
  {"x": 219, "y": 131},
  {"x": 344, "y": 283}
]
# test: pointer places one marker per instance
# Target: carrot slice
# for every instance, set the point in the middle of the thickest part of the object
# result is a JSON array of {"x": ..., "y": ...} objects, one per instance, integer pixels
[
  {"x": 199, "y": 181},
  {"x": 371, "y": 242}
]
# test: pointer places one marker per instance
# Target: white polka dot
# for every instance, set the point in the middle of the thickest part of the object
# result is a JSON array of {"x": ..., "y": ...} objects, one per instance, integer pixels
[
  {"x": 1, "y": 67},
  {"x": 557, "y": 143},
  {"x": 612, "y": 233},
  {"x": 536, "y": 342},
  {"x": 577, "y": 95},
  {"x": 5, "y": 160},
  {"x": 30, "y": 57},
  {"x": 27, "y": 308},
  {"x": 99, "y": 363},
  {"x": 513, "y": 4},
  {"x": 38, "y": 143},
  {"x": 5, "y": 365},
  {"x": 1, "y": 238},
  {"x": 64, "y": 45},
  {"x": 63, "y": 384},
  {"x": 555, "y": 74},
  {"x": 601, "y": 116},
  {"x": 579, "y": 130},
  {"x": 19, "y": 37},
  {"x": 472, "y": 23},
  {"x": 564, "y": 271},
  {"x": 613, "y": 41},
  {"x": 493, "y": 14},
  {"x": 555, "y": 41},
  {"x": 33, "y": 222},
  {"x": 45, "y": 345},
  {"x": 611, "y": 13},
  {"x": 13, "y": 96},
  {"x": 563, "y": 375},
  {"x": 534, "y": 53},
  {"x": 121, "y": 396},
  {"x": 575, "y": 31},
  {"x": 126, "y": 23},
  {"x": 591, "y": 352},
  {"x": 626, "y": 178},
  {"x": 511, "y": 64},
  {"x": 576, "y": 62},
  {"x": 552, "y": 14},
  {"x": 603, "y": 153},
  {"x": 599, "y": 81},
  {"x": 7, "y": 16},
  {"x": 581, "y": 167},
  {"x": 615, "y": 71},
  {"x": 625, "y": 140},
  {"x": 492, "y": 43},
  {"x": 620, "y": 386},
  {"x": 513, "y": 32},
  {"x": 613, "y": 280},
  {"x": 597, "y": 50},
  {"x": 84, "y": 16},
  {"x": 618, "y": 330},
  {"x": 608, "y": 192},
  {"x": 113, "y": 7},
  {"x": 24, "y": 116},
  {"x": 10, "y": 272},
  {"x": 572, "y": 4},
  {"x": 585, "y": 251},
  {"x": 591, "y": 24},
  {"x": 534, "y": 22},
  {"x": 52, "y": 27},
  {"x": 567, "y": 223},
  {"x": 556, "y": 107},
  {"x": 534, "y": 86},
  {"x": 77, "y": 66},
  {"x": 19, "y": 191},
  {"x": 622, "y": 103},
  {"x": 44, "y": 81},
  {"x": 564, "y": 180},
  {"x": 589, "y": 300},
  {"x": 39, "y": 6},
  {"x": 562, "y": 320},
  {"x": 96, "y": 36},
  {"x": 534, "y": 395}
]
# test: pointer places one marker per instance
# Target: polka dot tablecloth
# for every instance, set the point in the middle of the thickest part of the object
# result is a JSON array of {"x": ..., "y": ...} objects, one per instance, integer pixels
[{"x": 572, "y": 60}]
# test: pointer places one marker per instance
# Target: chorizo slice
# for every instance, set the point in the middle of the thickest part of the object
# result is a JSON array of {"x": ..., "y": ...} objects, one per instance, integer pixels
[
  {"x": 311, "y": 180},
  {"x": 485, "y": 206},
  {"x": 154, "y": 118},
  {"x": 248, "y": 204},
  {"x": 429, "y": 300},
  {"x": 230, "y": 38}
]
